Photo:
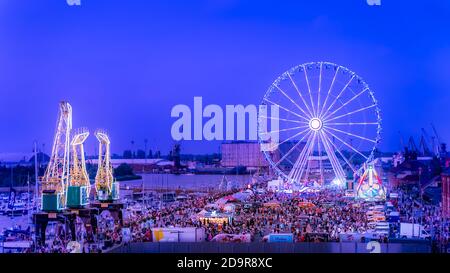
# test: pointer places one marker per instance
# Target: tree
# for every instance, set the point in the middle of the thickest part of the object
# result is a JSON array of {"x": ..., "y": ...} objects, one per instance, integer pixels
[
  {"x": 123, "y": 170},
  {"x": 41, "y": 158},
  {"x": 140, "y": 154},
  {"x": 127, "y": 154}
]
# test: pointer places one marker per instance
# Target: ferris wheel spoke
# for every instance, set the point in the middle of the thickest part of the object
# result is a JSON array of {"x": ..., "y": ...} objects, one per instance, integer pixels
[
  {"x": 309, "y": 91},
  {"x": 348, "y": 145},
  {"x": 300, "y": 94},
  {"x": 285, "y": 130},
  {"x": 291, "y": 100},
  {"x": 351, "y": 123},
  {"x": 339, "y": 95},
  {"x": 335, "y": 164},
  {"x": 306, "y": 158},
  {"x": 346, "y": 103},
  {"x": 296, "y": 135},
  {"x": 299, "y": 162},
  {"x": 352, "y": 112},
  {"x": 340, "y": 153},
  {"x": 329, "y": 91},
  {"x": 294, "y": 147},
  {"x": 310, "y": 154},
  {"x": 287, "y": 110},
  {"x": 350, "y": 134},
  {"x": 320, "y": 87},
  {"x": 319, "y": 148},
  {"x": 283, "y": 119}
]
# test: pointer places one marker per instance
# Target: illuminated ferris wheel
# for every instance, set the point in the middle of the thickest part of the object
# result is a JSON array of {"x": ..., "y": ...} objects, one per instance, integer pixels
[{"x": 329, "y": 124}]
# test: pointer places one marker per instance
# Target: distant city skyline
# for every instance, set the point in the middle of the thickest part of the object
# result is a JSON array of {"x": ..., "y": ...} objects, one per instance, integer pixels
[{"x": 124, "y": 65}]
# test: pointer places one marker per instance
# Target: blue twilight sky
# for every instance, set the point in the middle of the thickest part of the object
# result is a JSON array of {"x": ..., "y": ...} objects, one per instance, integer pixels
[{"x": 124, "y": 64}]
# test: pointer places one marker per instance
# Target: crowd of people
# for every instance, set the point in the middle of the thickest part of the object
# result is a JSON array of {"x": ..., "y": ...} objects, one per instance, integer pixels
[
  {"x": 305, "y": 216},
  {"x": 314, "y": 217},
  {"x": 310, "y": 217},
  {"x": 413, "y": 209},
  {"x": 322, "y": 217}
]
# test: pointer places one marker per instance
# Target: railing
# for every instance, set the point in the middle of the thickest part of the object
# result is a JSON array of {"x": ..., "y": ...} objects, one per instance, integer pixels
[{"x": 214, "y": 247}]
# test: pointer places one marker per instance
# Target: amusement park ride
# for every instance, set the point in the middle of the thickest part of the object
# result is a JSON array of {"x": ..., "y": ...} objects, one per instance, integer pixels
[
  {"x": 329, "y": 128},
  {"x": 370, "y": 186},
  {"x": 66, "y": 188}
]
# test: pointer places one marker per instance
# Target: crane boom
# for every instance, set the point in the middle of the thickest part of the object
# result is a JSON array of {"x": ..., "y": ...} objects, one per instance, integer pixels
[
  {"x": 56, "y": 176},
  {"x": 402, "y": 142},
  {"x": 79, "y": 175},
  {"x": 412, "y": 145},
  {"x": 425, "y": 151},
  {"x": 79, "y": 186},
  {"x": 426, "y": 139},
  {"x": 105, "y": 185},
  {"x": 438, "y": 145}
]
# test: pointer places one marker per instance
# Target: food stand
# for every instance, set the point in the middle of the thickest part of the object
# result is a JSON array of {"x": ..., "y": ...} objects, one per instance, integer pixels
[{"x": 215, "y": 217}]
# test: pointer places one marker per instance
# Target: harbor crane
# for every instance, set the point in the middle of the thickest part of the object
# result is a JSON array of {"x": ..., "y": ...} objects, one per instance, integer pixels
[
  {"x": 412, "y": 147},
  {"x": 424, "y": 140},
  {"x": 56, "y": 176},
  {"x": 79, "y": 187},
  {"x": 107, "y": 189},
  {"x": 402, "y": 142},
  {"x": 440, "y": 146}
]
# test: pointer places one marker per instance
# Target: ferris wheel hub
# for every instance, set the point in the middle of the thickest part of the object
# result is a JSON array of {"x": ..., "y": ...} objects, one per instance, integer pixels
[{"x": 315, "y": 124}]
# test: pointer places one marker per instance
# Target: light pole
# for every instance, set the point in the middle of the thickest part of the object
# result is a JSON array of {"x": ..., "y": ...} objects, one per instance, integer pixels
[
  {"x": 28, "y": 197},
  {"x": 36, "y": 182},
  {"x": 143, "y": 170},
  {"x": 132, "y": 150},
  {"x": 421, "y": 196},
  {"x": 11, "y": 192}
]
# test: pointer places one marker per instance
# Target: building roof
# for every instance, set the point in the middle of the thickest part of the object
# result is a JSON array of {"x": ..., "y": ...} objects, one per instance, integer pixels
[
  {"x": 137, "y": 161},
  {"x": 15, "y": 157},
  {"x": 409, "y": 165}
]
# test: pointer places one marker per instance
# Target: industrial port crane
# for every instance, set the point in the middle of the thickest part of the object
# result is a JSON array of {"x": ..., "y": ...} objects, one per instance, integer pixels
[
  {"x": 79, "y": 187},
  {"x": 107, "y": 189},
  {"x": 56, "y": 177}
]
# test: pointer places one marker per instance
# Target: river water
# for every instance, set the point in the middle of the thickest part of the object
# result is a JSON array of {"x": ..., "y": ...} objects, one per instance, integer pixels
[{"x": 186, "y": 182}]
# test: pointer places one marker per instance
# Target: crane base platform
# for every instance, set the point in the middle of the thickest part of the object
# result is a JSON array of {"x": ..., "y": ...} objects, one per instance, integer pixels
[
  {"x": 41, "y": 220},
  {"x": 52, "y": 202},
  {"x": 114, "y": 208},
  {"x": 77, "y": 196}
]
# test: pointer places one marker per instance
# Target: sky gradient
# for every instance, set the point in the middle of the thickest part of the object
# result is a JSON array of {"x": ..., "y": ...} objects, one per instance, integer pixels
[{"x": 123, "y": 65}]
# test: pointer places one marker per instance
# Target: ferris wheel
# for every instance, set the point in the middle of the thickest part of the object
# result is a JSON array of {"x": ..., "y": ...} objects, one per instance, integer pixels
[{"x": 329, "y": 124}]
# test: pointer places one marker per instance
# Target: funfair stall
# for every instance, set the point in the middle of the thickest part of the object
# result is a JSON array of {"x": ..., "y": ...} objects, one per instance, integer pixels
[{"x": 215, "y": 217}]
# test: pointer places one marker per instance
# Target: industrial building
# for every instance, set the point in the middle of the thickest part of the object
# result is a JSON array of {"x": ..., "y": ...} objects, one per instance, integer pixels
[{"x": 242, "y": 153}]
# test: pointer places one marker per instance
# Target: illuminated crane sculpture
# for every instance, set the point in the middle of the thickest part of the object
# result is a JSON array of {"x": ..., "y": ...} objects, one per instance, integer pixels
[
  {"x": 107, "y": 189},
  {"x": 56, "y": 177},
  {"x": 79, "y": 185}
]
